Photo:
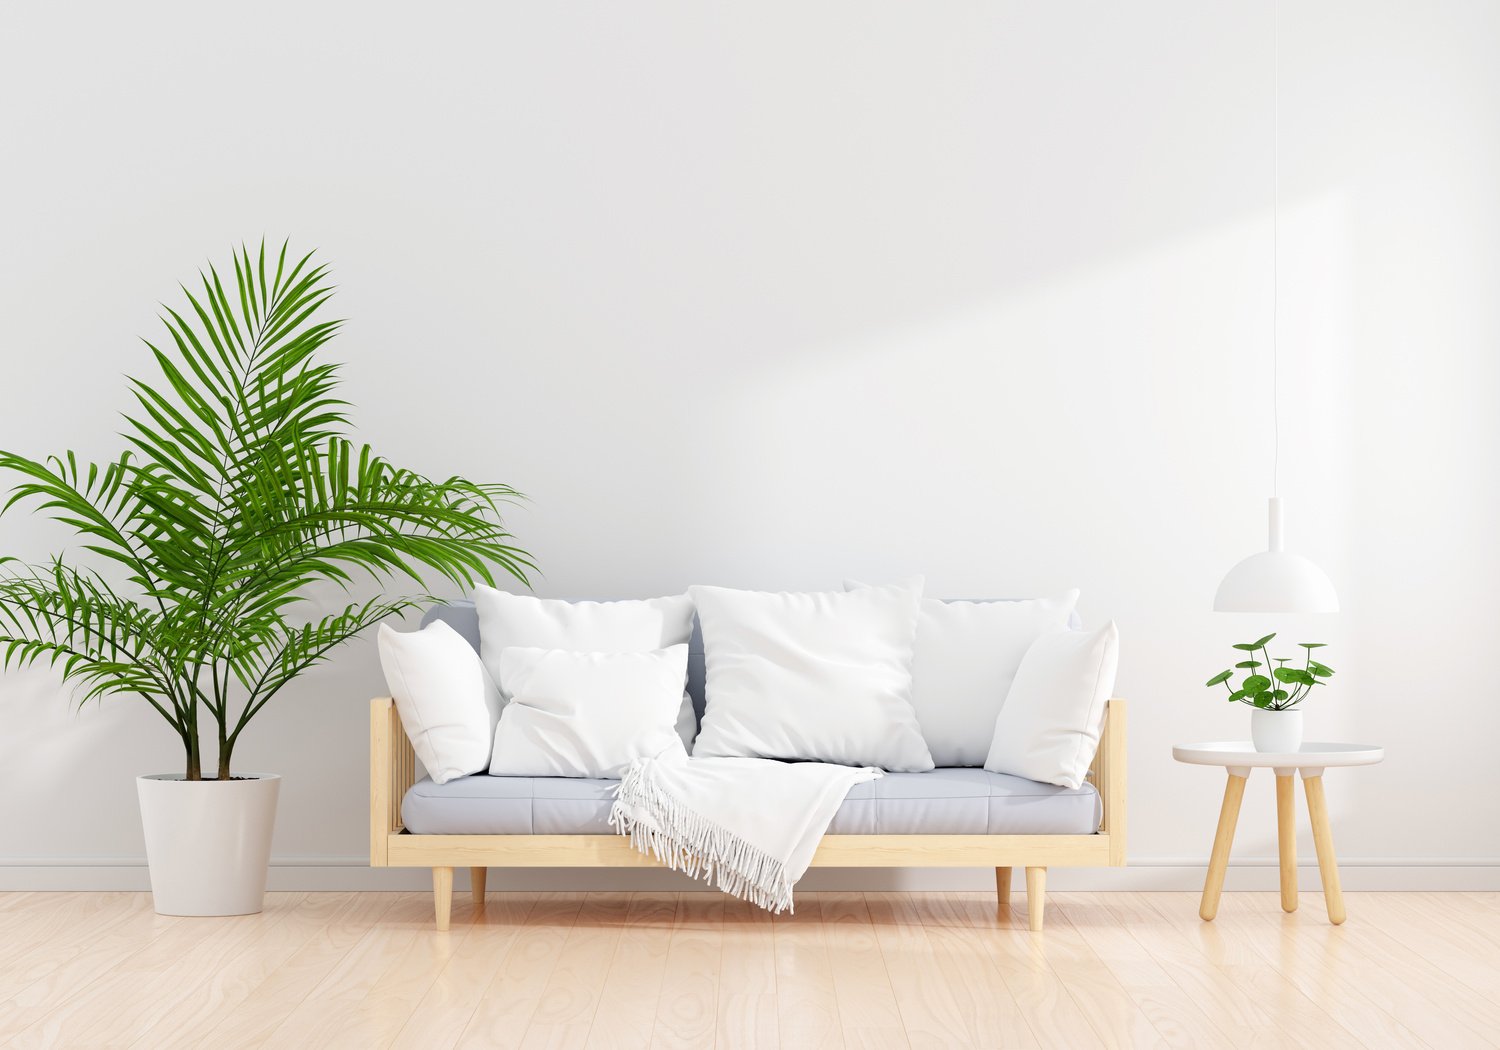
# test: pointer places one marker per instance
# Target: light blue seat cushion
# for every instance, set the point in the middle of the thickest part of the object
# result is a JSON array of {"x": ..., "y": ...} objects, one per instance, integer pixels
[
  {"x": 966, "y": 802},
  {"x": 940, "y": 802}
]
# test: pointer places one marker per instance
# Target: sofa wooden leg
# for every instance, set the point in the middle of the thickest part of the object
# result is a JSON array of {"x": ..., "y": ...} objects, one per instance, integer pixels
[
  {"x": 1002, "y": 888},
  {"x": 476, "y": 885},
  {"x": 1036, "y": 896},
  {"x": 442, "y": 895}
]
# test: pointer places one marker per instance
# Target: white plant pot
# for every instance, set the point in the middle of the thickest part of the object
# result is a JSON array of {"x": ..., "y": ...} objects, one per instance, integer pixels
[
  {"x": 208, "y": 842},
  {"x": 1276, "y": 731}
]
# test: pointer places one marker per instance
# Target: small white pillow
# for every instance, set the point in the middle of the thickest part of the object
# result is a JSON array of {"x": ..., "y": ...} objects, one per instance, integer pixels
[
  {"x": 1049, "y": 727},
  {"x": 823, "y": 676},
  {"x": 447, "y": 702},
  {"x": 642, "y": 626},
  {"x": 587, "y": 714},
  {"x": 965, "y": 660}
]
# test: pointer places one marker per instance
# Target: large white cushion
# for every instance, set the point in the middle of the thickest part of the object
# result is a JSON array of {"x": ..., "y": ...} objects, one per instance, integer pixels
[
  {"x": 643, "y": 626},
  {"x": 965, "y": 660},
  {"x": 587, "y": 714},
  {"x": 1048, "y": 728},
  {"x": 823, "y": 676},
  {"x": 447, "y": 702}
]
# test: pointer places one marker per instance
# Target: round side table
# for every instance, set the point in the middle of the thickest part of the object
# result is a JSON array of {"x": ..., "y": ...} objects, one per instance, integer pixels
[{"x": 1239, "y": 757}]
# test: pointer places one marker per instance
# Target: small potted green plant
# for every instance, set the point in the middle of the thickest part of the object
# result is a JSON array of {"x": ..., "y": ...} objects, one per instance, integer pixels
[{"x": 1276, "y": 722}]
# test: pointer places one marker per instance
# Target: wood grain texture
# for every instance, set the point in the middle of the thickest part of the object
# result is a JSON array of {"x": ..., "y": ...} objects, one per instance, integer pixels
[
  {"x": 1036, "y": 898},
  {"x": 746, "y": 1013},
  {"x": 442, "y": 896},
  {"x": 506, "y": 1005},
  {"x": 687, "y": 1008},
  {"x": 1328, "y": 865},
  {"x": 1218, "y": 861},
  {"x": 626, "y": 1015},
  {"x": 835, "y": 851},
  {"x": 382, "y": 821},
  {"x": 848, "y": 969},
  {"x": 1286, "y": 838},
  {"x": 1108, "y": 775}
]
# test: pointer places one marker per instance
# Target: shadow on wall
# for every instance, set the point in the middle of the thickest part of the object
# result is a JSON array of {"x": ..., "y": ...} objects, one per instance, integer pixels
[{"x": 1120, "y": 410}]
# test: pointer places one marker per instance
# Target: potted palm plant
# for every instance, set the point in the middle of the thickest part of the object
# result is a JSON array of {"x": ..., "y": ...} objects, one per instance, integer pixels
[{"x": 238, "y": 492}]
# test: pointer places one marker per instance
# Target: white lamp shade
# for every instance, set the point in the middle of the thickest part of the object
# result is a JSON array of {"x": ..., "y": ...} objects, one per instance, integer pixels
[{"x": 1275, "y": 581}]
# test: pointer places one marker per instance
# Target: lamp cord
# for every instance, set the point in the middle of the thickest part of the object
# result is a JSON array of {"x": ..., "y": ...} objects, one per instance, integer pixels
[{"x": 1275, "y": 247}]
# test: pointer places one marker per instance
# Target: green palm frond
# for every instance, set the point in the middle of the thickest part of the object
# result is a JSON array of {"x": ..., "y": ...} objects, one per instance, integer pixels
[
  {"x": 291, "y": 650},
  {"x": 238, "y": 489},
  {"x": 107, "y": 643}
]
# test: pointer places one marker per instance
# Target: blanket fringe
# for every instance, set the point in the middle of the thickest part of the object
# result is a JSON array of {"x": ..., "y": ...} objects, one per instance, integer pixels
[{"x": 687, "y": 842}]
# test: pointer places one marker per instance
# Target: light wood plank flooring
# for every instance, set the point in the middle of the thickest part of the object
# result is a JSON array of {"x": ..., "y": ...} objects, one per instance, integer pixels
[{"x": 856, "y": 970}]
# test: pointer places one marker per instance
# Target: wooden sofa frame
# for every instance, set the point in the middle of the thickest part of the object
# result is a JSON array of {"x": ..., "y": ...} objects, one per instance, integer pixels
[{"x": 393, "y": 771}]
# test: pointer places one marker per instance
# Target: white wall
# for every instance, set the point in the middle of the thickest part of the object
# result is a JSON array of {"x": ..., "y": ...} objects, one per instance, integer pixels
[{"x": 771, "y": 294}]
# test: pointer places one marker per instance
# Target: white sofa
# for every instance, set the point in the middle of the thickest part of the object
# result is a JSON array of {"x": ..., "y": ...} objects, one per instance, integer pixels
[{"x": 942, "y": 818}]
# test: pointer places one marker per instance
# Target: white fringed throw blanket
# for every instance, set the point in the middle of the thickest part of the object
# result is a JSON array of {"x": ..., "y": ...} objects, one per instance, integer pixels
[{"x": 751, "y": 825}]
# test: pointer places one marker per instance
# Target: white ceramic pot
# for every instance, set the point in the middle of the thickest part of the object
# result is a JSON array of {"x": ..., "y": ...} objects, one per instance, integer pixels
[
  {"x": 1276, "y": 731},
  {"x": 208, "y": 842}
]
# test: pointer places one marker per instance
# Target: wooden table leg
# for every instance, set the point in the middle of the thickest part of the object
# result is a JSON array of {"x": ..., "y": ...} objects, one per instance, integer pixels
[
  {"x": 1218, "y": 862},
  {"x": 1286, "y": 838},
  {"x": 1328, "y": 865}
]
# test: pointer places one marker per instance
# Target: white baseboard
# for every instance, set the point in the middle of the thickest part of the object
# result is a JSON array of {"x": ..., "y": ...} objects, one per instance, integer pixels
[{"x": 1147, "y": 873}]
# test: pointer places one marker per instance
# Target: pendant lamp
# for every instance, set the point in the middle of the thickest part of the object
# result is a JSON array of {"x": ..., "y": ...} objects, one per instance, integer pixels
[{"x": 1275, "y": 580}]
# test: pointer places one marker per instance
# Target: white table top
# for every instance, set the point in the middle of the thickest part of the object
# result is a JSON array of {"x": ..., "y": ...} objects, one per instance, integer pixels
[{"x": 1313, "y": 754}]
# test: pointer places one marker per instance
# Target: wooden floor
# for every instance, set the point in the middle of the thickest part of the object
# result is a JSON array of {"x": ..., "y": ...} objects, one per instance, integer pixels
[{"x": 642, "y": 970}]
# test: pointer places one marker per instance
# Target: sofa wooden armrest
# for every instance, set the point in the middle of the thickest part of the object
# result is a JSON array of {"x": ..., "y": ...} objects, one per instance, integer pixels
[{"x": 393, "y": 770}]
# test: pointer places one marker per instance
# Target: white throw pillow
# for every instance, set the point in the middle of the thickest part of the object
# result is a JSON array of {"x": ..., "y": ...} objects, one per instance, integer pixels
[
  {"x": 643, "y": 626},
  {"x": 447, "y": 702},
  {"x": 823, "y": 676},
  {"x": 1049, "y": 727},
  {"x": 587, "y": 714},
  {"x": 965, "y": 660}
]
